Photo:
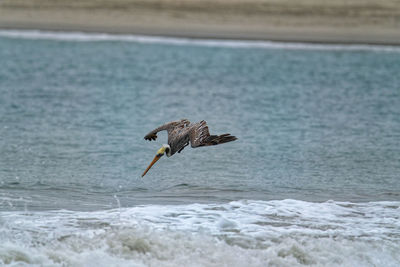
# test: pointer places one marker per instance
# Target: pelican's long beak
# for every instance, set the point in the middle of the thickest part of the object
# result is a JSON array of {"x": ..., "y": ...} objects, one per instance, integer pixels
[
  {"x": 159, "y": 154},
  {"x": 157, "y": 157}
]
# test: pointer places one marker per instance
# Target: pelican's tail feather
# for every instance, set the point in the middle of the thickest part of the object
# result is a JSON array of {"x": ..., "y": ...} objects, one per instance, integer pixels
[{"x": 213, "y": 140}]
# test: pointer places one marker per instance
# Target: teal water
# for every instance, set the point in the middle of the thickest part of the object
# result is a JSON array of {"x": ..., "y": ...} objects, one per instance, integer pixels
[
  {"x": 313, "y": 179},
  {"x": 312, "y": 125}
]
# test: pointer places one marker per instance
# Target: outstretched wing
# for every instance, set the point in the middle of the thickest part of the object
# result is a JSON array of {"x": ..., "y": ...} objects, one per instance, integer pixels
[
  {"x": 200, "y": 136},
  {"x": 169, "y": 127}
]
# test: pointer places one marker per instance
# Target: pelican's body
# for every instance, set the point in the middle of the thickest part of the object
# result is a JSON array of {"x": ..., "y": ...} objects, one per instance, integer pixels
[{"x": 180, "y": 133}]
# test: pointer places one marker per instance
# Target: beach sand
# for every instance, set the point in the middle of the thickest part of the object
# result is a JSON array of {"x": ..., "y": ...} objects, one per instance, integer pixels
[{"x": 340, "y": 21}]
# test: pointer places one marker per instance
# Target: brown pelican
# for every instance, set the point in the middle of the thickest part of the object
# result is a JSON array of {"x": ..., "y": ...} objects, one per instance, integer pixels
[{"x": 180, "y": 133}]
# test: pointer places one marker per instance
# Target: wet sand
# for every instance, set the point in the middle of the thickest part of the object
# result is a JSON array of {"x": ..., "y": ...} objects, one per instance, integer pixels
[{"x": 351, "y": 21}]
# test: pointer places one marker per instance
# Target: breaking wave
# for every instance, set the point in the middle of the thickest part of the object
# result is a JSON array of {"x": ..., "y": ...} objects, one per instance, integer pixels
[{"x": 239, "y": 233}]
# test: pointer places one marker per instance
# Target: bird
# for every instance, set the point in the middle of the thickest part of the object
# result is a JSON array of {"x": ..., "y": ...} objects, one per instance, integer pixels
[{"x": 180, "y": 133}]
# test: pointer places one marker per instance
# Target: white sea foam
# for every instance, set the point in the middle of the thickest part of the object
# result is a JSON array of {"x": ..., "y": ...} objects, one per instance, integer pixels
[
  {"x": 240, "y": 233},
  {"x": 96, "y": 37}
]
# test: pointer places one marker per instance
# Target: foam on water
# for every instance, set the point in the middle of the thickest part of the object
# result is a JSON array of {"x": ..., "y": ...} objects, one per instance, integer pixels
[
  {"x": 253, "y": 233},
  {"x": 96, "y": 37}
]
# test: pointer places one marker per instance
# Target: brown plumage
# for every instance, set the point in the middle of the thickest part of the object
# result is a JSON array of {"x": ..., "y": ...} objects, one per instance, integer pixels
[{"x": 181, "y": 132}]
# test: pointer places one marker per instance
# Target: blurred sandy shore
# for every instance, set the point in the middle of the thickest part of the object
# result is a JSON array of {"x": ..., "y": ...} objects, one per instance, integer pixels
[{"x": 339, "y": 21}]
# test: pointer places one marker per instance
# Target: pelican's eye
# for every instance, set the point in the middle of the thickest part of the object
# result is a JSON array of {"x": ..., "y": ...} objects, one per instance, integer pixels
[{"x": 167, "y": 150}]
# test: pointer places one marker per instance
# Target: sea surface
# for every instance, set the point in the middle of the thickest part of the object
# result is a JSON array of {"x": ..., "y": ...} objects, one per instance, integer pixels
[{"x": 313, "y": 179}]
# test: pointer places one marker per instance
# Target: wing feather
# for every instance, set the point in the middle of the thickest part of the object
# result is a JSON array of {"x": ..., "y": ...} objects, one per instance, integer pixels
[
  {"x": 169, "y": 127},
  {"x": 200, "y": 136}
]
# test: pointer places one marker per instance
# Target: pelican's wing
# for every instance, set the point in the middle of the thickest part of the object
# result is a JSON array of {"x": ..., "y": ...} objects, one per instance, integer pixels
[
  {"x": 200, "y": 136},
  {"x": 169, "y": 126}
]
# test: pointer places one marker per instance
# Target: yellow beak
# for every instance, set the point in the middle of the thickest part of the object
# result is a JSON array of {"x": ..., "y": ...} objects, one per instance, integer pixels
[{"x": 157, "y": 157}]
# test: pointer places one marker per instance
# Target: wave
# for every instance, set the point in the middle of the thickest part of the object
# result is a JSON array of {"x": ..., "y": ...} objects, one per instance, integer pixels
[
  {"x": 239, "y": 233},
  {"x": 101, "y": 37}
]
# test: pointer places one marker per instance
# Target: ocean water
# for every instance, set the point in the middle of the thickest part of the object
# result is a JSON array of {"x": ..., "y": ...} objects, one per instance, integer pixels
[{"x": 313, "y": 179}]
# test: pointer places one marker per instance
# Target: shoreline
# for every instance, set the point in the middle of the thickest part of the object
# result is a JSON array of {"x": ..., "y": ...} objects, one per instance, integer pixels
[
  {"x": 305, "y": 21},
  {"x": 316, "y": 39}
]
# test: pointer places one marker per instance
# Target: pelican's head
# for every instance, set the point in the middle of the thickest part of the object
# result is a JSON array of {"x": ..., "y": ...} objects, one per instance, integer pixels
[{"x": 164, "y": 149}]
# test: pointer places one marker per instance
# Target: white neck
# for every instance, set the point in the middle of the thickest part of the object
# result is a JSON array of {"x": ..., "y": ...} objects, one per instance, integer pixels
[{"x": 167, "y": 150}]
